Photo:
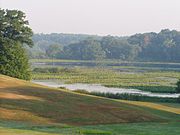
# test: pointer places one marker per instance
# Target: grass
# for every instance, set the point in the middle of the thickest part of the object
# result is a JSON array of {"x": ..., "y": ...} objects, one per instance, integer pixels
[
  {"x": 27, "y": 108},
  {"x": 161, "y": 82},
  {"x": 154, "y": 106},
  {"x": 7, "y": 131},
  {"x": 23, "y": 101},
  {"x": 165, "y": 128},
  {"x": 142, "y": 129},
  {"x": 175, "y": 105}
]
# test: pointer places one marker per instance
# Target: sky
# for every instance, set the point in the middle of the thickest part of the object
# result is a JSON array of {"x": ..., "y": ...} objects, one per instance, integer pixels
[{"x": 99, "y": 17}]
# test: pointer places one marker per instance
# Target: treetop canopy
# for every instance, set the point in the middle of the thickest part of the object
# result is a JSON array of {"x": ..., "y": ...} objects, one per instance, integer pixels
[{"x": 13, "y": 26}]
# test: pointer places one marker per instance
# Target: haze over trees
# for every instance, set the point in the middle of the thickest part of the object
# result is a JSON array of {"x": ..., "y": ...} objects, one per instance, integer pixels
[
  {"x": 14, "y": 33},
  {"x": 162, "y": 46}
]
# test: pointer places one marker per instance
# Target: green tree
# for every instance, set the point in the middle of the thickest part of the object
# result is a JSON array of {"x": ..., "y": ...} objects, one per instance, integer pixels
[
  {"x": 89, "y": 49},
  {"x": 53, "y": 50},
  {"x": 14, "y": 33},
  {"x": 116, "y": 48}
]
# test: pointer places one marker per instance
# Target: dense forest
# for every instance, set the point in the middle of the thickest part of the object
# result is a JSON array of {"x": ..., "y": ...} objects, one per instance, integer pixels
[{"x": 162, "y": 46}]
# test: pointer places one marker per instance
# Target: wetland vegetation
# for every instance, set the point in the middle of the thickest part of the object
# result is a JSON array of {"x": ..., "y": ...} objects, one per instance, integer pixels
[{"x": 156, "y": 81}]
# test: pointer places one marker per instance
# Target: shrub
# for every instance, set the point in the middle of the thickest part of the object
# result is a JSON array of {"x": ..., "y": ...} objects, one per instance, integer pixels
[
  {"x": 14, "y": 61},
  {"x": 54, "y": 70},
  {"x": 178, "y": 87},
  {"x": 132, "y": 97}
]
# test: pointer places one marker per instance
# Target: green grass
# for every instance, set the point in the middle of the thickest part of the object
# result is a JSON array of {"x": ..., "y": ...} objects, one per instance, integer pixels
[
  {"x": 166, "y": 128},
  {"x": 23, "y": 101},
  {"x": 141, "y": 129},
  {"x": 26, "y": 109}
]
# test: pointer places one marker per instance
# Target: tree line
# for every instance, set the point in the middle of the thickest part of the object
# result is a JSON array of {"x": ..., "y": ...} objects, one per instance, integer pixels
[{"x": 162, "y": 46}]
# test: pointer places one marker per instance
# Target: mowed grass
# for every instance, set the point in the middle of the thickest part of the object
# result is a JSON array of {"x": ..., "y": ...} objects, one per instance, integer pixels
[
  {"x": 7, "y": 131},
  {"x": 166, "y": 128},
  {"x": 174, "y": 108},
  {"x": 27, "y": 108},
  {"x": 163, "y": 82},
  {"x": 23, "y": 101}
]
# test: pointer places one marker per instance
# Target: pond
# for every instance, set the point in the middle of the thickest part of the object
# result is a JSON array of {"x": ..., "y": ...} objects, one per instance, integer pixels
[{"x": 101, "y": 89}]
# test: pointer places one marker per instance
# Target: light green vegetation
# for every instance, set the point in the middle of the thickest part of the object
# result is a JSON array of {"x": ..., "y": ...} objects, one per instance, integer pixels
[
  {"x": 165, "y": 128},
  {"x": 159, "y": 81}
]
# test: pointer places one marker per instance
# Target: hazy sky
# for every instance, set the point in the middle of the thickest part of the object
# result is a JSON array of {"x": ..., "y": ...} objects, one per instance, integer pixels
[{"x": 102, "y": 17}]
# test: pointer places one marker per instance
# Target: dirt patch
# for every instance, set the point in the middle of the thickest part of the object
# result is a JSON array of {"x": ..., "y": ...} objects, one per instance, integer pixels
[
  {"x": 19, "y": 115},
  {"x": 16, "y": 96}
]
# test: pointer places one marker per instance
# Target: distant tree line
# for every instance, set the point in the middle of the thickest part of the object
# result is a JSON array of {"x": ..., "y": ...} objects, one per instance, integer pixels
[{"x": 162, "y": 46}]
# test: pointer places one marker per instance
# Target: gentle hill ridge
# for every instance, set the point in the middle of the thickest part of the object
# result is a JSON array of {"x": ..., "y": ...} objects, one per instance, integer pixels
[{"x": 24, "y": 101}]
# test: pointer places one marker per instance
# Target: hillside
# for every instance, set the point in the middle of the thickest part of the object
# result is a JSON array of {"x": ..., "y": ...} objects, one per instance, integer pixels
[
  {"x": 27, "y": 102},
  {"x": 24, "y": 101},
  {"x": 27, "y": 108}
]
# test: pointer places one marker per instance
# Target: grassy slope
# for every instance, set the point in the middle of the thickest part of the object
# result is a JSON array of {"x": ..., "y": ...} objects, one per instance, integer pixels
[
  {"x": 165, "y": 107},
  {"x": 22, "y": 101}
]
